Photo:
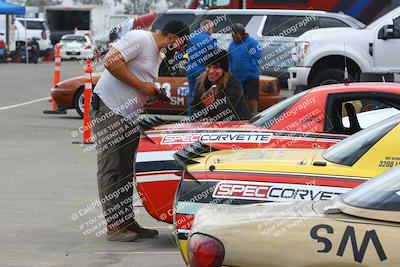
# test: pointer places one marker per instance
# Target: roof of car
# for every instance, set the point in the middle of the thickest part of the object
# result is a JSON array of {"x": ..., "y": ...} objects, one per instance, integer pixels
[
  {"x": 372, "y": 86},
  {"x": 267, "y": 11},
  {"x": 185, "y": 11}
]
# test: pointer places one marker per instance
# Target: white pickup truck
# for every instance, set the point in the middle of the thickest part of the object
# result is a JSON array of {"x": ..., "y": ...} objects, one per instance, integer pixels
[{"x": 320, "y": 55}]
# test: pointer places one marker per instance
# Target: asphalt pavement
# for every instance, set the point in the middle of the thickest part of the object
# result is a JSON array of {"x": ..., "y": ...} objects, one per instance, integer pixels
[{"x": 48, "y": 189}]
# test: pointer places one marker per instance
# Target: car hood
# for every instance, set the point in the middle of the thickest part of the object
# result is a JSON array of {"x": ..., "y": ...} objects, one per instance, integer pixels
[
  {"x": 73, "y": 45},
  {"x": 298, "y": 162},
  {"x": 80, "y": 79},
  {"x": 257, "y": 159},
  {"x": 219, "y": 221},
  {"x": 334, "y": 34}
]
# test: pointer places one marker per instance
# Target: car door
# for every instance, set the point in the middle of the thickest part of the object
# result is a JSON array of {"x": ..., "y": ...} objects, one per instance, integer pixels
[{"x": 386, "y": 55}]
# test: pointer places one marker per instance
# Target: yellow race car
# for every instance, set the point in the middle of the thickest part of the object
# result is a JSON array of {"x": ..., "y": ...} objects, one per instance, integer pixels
[
  {"x": 250, "y": 176},
  {"x": 360, "y": 228}
]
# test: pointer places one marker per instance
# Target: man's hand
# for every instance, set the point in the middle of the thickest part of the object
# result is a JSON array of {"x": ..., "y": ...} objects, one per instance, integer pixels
[{"x": 149, "y": 89}]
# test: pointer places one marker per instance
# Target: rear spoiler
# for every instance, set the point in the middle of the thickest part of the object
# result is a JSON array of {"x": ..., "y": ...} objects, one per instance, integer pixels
[
  {"x": 187, "y": 155},
  {"x": 149, "y": 123}
]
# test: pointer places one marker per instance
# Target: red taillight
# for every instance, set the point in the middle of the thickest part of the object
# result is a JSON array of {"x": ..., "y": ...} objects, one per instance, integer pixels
[
  {"x": 205, "y": 251},
  {"x": 88, "y": 47},
  {"x": 2, "y": 45},
  {"x": 44, "y": 35}
]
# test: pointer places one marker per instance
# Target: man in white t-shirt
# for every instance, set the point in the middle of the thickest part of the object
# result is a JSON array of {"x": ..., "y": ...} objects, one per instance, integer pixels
[{"x": 119, "y": 96}]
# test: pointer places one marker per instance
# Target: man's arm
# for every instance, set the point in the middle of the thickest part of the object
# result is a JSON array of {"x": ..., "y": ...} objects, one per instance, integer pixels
[{"x": 116, "y": 65}]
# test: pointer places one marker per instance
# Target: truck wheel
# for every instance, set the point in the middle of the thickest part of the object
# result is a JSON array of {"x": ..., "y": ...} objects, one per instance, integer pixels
[
  {"x": 299, "y": 89},
  {"x": 328, "y": 76},
  {"x": 78, "y": 102}
]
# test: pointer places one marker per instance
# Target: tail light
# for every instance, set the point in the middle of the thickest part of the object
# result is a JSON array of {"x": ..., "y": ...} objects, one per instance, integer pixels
[
  {"x": 205, "y": 251},
  {"x": 88, "y": 47},
  {"x": 44, "y": 35},
  {"x": 2, "y": 45}
]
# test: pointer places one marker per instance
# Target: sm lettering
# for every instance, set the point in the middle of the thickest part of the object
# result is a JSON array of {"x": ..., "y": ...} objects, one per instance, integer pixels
[{"x": 348, "y": 241}]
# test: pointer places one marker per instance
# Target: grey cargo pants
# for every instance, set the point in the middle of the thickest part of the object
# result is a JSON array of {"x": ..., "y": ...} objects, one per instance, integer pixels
[{"x": 117, "y": 141}]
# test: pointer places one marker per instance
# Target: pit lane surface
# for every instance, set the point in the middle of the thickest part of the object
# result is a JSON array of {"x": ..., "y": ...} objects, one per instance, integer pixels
[{"x": 47, "y": 183}]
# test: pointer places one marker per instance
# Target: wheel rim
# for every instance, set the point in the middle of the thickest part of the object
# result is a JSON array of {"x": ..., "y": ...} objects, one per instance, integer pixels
[{"x": 81, "y": 103}]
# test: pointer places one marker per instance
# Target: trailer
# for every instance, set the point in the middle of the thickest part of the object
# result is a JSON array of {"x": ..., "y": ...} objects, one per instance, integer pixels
[{"x": 68, "y": 20}]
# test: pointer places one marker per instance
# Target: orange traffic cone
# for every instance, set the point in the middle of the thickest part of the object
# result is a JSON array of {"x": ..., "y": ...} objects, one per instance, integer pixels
[
  {"x": 56, "y": 80},
  {"x": 87, "y": 93}
]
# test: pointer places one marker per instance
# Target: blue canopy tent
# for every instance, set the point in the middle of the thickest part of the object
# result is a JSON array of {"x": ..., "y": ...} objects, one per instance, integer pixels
[{"x": 11, "y": 9}]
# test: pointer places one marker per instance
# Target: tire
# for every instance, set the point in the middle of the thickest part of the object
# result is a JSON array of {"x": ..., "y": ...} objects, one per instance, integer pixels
[
  {"x": 328, "y": 76},
  {"x": 78, "y": 102},
  {"x": 299, "y": 89}
]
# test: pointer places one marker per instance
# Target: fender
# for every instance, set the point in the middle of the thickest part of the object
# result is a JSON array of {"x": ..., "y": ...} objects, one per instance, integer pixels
[{"x": 360, "y": 57}]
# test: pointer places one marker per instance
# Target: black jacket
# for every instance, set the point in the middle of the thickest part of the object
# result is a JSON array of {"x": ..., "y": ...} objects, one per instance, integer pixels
[{"x": 229, "y": 104}]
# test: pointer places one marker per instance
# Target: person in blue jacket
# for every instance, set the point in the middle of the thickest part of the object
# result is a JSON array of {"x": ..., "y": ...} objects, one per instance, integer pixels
[
  {"x": 244, "y": 56},
  {"x": 201, "y": 44}
]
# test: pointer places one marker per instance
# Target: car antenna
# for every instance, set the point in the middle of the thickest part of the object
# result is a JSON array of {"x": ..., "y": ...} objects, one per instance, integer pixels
[{"x": 346, "y": 72}]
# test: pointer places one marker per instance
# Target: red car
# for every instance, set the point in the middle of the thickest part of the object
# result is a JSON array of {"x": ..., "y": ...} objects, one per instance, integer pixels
[{"x": 317, "y": 118}]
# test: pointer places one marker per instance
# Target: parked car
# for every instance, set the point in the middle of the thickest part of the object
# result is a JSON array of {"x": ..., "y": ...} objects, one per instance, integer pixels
[
  {"x": 36, "y": 28},
  {"x": 76, "y": 47},
  {"x": 224, "y": 178},
  {"x": 187, "y": 16},
  {"x": 322, "y": 55},
  {"x": 360, "y": 228},
  {"x": 69, "y": 93},
  {"x": 318, "y": 118},
  {"x": 3, "y": 51},
  {"x": 275, "y": 30}
]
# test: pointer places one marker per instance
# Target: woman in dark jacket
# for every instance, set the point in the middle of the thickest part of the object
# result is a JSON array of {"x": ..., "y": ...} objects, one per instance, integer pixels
[{"x": 218, "y": 95}]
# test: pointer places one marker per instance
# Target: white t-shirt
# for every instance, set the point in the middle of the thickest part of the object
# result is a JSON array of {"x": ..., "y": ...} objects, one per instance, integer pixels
[{"x": 143, "y": 59}]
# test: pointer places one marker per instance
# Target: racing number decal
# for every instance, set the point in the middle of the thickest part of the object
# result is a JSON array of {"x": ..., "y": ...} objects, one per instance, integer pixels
[
  {"x": 389, "y": 162},
  {"x": 348, "y": 235},
  {"x": 166, "y": 87},
  {"x": 175, "y": 100}
]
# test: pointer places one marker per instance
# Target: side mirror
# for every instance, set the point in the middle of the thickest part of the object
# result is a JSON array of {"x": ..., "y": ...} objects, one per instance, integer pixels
[{"x": 388, "y": 32}]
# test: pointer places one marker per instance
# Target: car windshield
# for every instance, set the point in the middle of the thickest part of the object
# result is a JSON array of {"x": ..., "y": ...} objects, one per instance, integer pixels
[
  {"x": 380, "y": 193},
  {"x": 356, "y": 22},
  {"x": 79, "y": 39},
  {"x": 348, "y": 151},
  {"x": 270, "y": 116},
  {"x": 33, "y": 25}
]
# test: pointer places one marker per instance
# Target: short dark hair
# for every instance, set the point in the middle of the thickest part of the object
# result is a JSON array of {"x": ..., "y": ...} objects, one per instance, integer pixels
[
  {"x": 176, "y": 27},
  {"x": 238, "y": 28}
]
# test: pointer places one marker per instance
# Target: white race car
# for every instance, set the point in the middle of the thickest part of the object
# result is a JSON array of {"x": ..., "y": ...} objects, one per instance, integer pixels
[{"x": 76, "y": 47}]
